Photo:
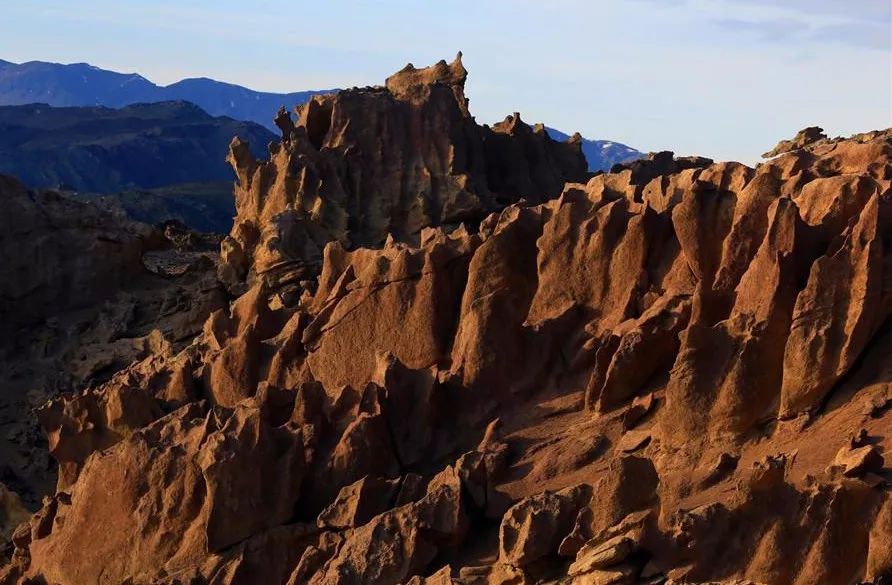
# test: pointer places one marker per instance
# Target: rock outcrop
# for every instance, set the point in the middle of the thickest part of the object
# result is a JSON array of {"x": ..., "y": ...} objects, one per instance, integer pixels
[
  {"x": 362, "y": 165},
  {"x": 676, "y": 372}
]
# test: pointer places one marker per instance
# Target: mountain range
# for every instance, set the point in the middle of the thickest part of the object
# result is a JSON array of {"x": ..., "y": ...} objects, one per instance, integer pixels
[
  {"x": 105, "y": 150},
  {"x": 82, "y": 84}
]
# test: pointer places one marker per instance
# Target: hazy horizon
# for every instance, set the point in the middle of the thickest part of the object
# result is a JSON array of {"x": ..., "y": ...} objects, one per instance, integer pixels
[{"x": 720, "y": 78}]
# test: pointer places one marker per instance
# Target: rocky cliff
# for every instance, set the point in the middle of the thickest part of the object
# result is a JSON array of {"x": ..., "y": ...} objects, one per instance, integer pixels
[{"x": 677, "y": 371}]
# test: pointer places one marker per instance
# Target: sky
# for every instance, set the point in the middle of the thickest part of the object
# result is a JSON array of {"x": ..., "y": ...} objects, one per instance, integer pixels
[{"x": 726, "y": 79}]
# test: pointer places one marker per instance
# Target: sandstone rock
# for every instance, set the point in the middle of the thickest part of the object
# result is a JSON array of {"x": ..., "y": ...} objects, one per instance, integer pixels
[
  {"x": 705, "y": 393},
  {"x": 358, "y": 503},
  {"x": 79, "y": 302},
  {"x": 875, "y": 405},
  {"x": 442, "y": 509},
  {"x": 724, "y": 464},
  {"x": 655, "y": 335},
  {"x": 503, "y": 574},
  {"x": 185, "y": 485},
  {"x": 409, "y": 304},
  {"x": 412, "y": 489},
  {"x": 836, "y": 314},
  {"x": 12, "y": 513},
  {"x": 389, "y": 549},
  {"x": 616, "y": 576},
  {"x": 640, "y": 407},
  {"x": 534, "y": 527},
  {"x": 588, "y": 546},
  {"x": 400, "y": 543},
  {"x": 441, "y": 577},
  {"x": 602, "y": 555},
  {"x": 879, "y": 556},
  {"x": 331, "y": 179},
  {"x": 314, "y": 557},
  {"x": 806, "y": 137},
  {"x": 413, "y": 405},
  {"x": 499, "y": 289},
  {"x": 479, "y": 471},
  {"x": 364, "y": 448},
  {"x": 858, "y": 461},
  {"x": 633, "y": 440}
]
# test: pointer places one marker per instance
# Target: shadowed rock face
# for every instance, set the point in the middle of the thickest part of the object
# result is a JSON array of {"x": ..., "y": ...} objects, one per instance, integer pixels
[
  {"x": 48, "y": 239},
  {"x": 677, "y": 370},
  {"x": 84, "y": 293}
]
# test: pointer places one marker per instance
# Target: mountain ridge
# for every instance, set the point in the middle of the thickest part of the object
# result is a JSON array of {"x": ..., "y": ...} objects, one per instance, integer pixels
[
  {"x": 59, "y": 84},
  {"x": 31, "y": 81},
  {"x": 103, "y": 149},
  {"x": 600, "y": 154}
]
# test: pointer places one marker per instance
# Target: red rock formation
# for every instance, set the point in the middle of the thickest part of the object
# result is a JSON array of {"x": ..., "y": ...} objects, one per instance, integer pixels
[{"x": 678, "y": 370}]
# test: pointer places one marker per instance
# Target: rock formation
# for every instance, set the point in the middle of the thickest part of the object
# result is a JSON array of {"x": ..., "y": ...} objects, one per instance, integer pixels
[
  {"x": 363, "y": 165},
  {"x": 673, "y": 372}
]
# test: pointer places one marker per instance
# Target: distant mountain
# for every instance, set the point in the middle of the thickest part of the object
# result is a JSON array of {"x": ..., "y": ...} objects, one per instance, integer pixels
[
  {"x": 78, "y": 84},
  {"x": 81, "y": 84},
  {"x": 132, "y": 145},
  {"x": 601, "y": 154},
  {"x": 103, "y": 150}
]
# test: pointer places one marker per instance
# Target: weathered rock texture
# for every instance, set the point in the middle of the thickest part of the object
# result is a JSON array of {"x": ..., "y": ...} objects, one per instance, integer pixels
[
  {"x": 675, "y": 371},
  {"x": 363, "y": 164}
]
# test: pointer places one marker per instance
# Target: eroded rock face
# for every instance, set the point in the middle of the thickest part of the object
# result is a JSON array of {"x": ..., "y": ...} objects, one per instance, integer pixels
[
  {"x": 805, "y": 137},
  {"x": 674, "y": 371},
  {"x": 363, "y": 165}
]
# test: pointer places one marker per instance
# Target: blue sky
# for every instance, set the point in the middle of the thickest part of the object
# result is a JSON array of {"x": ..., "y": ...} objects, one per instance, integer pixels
[{"x": 721, "y": 78}]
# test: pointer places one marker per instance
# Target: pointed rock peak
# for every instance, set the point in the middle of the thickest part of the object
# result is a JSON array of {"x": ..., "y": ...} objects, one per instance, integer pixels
[
  {"x": 805, "y": 137},
  {"x": 241, "y": 160},
  {"x": 409, "y": 79},
  {"x": 511, "y": 124},
  {"x": 284, "y": 122}
]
